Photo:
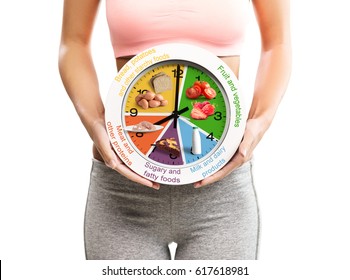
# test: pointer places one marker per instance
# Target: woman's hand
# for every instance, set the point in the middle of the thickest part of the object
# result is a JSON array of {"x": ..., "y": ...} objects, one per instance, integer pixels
[
  {"x": 80, "y": 80},
  {"x": 255, "y": 129},
  {"x": 99, "y": 135}
]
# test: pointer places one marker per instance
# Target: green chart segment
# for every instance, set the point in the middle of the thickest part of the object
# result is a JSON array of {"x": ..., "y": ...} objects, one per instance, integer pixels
[{"x": 214, "y": 124}]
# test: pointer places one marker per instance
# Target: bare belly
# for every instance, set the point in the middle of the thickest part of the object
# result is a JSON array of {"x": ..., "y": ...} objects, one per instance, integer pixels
[{"x": 231, "y": 61}]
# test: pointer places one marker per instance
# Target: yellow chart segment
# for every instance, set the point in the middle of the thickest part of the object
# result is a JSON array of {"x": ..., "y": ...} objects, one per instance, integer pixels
[{"x": 144, "y": 84}]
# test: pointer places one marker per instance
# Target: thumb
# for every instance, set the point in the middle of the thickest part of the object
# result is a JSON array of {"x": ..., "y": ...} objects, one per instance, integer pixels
[
  {"x": 245, "y": 146},
  {"x": 108, "y": 154}
]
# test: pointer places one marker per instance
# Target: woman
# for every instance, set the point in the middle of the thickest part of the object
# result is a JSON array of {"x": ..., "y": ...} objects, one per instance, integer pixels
[{"x": 125, "y": 220}]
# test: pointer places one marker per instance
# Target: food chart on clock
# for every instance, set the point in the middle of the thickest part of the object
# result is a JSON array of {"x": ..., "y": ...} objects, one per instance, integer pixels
[
  {"x": 174, "y": 114},
  {"x": 166, "y": 105}
]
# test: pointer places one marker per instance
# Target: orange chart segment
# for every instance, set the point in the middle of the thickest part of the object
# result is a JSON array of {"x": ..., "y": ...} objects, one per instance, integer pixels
[{"x": 144, "y": 140}]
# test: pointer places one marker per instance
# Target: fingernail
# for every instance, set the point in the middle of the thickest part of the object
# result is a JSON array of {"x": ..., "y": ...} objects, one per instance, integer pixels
[
  {"x": 156, "y": 186},
  {"x": 197, "y": 185}
]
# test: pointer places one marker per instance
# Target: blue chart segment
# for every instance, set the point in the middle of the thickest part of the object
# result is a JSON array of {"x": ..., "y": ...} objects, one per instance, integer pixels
[{"x": 207, "y": 142}]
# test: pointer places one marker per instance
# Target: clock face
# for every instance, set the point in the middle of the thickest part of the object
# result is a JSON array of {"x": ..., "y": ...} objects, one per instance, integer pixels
[
  {"x": 172, "y": 118},
  {"x": 175, "y": 115}
]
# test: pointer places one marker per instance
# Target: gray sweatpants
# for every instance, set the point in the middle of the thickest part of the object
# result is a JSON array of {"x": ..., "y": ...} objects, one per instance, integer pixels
[{"x": 125, "y": 220}]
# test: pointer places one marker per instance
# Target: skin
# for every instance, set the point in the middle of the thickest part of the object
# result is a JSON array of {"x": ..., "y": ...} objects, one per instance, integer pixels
[{"x": 76, "y": 65}]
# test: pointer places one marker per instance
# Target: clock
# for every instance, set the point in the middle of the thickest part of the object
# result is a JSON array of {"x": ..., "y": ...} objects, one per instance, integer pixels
[{"x": 174, "y": 114}]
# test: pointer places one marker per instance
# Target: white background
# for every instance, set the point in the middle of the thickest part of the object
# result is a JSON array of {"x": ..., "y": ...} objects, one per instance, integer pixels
[{"x": 302, "y": 170}]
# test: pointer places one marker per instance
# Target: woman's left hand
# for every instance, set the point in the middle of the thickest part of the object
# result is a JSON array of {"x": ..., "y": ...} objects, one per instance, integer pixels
[{"x": 255, "y": 129}]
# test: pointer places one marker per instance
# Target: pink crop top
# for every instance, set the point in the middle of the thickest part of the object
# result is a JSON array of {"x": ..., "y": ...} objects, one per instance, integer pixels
[{"x": 216, "y": 25}]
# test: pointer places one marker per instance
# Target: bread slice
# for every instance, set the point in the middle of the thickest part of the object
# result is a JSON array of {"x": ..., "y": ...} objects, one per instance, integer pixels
[{"x": 161, "y": 82}]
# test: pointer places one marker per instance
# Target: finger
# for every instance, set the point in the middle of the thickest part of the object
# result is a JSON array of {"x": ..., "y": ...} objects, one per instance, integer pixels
[
  {"x": 113, "y": 161},
  {"x": 227, "y": 169},
  {"x": 127, "y": 172},
  {"x": 116, "y": 164},
  {"x": 241, "y": 156},
  {"x": 244, "y": 149}
]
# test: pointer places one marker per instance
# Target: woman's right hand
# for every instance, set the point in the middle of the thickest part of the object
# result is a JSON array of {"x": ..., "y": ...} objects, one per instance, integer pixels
[
  {"x": 100, "y": 138},
  {"x": 80, "y": 80}
]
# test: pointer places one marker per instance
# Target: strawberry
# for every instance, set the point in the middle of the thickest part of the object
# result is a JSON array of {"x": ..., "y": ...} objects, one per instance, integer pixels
[
  {"x": 200, "y": 105},
  {"x": 208, "y": 109},
  {"x": 198, "y": 114}
]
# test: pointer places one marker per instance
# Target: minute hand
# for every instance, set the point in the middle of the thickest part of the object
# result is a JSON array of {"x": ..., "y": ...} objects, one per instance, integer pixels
[
  {"x": 177, "y": 87},
  {"x": 177, "y": 93}
]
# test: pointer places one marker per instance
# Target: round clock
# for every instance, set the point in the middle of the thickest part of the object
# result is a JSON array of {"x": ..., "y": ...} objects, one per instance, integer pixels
[{"x": 174, "y": 114}]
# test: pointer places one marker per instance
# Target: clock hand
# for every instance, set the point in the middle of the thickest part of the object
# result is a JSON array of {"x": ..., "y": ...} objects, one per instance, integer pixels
[
  {"x": 173, "y": 115},
  {"x": 183, "y": 110},
  {"x": 177, "y": 89},
  {"x": 165, "y": 119}
]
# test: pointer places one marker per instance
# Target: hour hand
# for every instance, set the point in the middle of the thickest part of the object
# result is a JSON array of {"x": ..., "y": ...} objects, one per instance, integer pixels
[
  {"x": 165, "y": 119},
  {"x": 173, "y": 115}
]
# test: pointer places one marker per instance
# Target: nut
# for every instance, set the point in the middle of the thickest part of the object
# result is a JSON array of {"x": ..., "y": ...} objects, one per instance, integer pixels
[
  {"x": 154, "y": 103},
  {"x": 143, "y": 103},
  {"x": 149, "y": 95},
  {"x": 163, "y": 102}
]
